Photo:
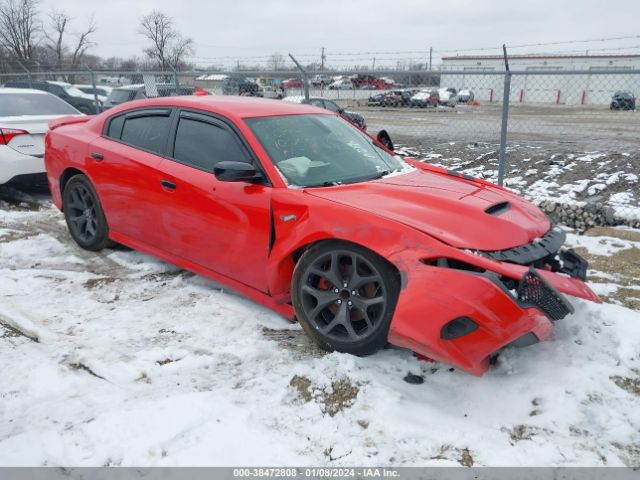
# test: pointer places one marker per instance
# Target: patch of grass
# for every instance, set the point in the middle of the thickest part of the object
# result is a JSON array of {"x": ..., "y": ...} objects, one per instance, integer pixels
[
  {"x": 631, "y": 385},
  {"x": 630, "y": 454},
  {"x": 295, "y": 341},
  {"x": 625, "y": 266},
  {"x": 340, "y": 396},
  {"x": 520, "y": 432},
  {"x": 303, "y": 386},
  {"x": 93, "y": 283},
  {"x": 466, "y": 460},
  {"x": 630, "y": 235}
]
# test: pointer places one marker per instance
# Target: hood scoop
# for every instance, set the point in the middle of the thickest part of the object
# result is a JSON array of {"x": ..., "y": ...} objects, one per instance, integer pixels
[{"x": 498, "y": 209}]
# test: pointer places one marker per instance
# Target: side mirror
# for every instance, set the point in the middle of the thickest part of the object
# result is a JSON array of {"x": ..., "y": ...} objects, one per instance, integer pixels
[
  {"x": 341, "y": 111},
  {"x": 234, "y": 172},
  {"x": 384, "y": 138}
]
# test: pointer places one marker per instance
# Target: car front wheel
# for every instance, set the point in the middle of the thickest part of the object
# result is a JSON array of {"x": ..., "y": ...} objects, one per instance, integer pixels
[
  {"x": 344, "y": 297},
  {"x": 84, "y": 215}
]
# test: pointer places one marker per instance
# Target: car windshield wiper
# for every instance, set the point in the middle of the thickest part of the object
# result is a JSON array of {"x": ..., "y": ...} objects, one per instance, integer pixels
[{"x": 323, "y": 184}]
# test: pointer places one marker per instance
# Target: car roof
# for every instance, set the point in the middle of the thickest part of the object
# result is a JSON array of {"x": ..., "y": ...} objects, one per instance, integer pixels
[
  {"x": 62, "y": 84},
  {"x": 300, "y": 98},
  {"x": 231, "y": 106},
  {"x": 22, "y": 91}
]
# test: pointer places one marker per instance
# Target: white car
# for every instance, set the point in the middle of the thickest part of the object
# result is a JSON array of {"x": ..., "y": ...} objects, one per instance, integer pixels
[
  {"x": 448, "y": 96},
  {"x": 102, "y": 91},
  {"x": 341, "y": 85},
  {"x": 24, "y": 118}
]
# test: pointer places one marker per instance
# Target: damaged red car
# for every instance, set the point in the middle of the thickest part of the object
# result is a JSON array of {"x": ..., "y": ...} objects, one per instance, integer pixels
[{"x": 304, "y": 213}]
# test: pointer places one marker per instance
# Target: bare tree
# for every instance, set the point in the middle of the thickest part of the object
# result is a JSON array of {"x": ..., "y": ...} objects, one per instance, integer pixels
[
  {"x": 55, "y": 36},
  {"x": 276, "y": 61},
  {"x": 19, "y": 28},
  {"x": 83, "y": 43},
  {"x": 169, "y": 48}
]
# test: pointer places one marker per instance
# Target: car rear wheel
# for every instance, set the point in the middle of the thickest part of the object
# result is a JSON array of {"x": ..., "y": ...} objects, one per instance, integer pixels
[
  {"x": 344, "y": 297},
  {"x": 84, "y": 215}
]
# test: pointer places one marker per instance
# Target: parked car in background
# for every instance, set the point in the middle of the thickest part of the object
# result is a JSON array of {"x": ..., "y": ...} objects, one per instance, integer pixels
[
  {"x": 321, "y": 80},
  {"x": 327, "y": 104},
  {"x": 425, "y": 98},
  {"x": 239, "y": 86},
  {"x": 291, "y": 83},
  {"x": 102, "y": 91},
  {"x": 399, "y": 97},
  {"x": 448, "y": 96},
  {"x": 81, "y": 101},
  {"x": 341, "y": 85},
  {"x": 465, "y": 96},
  {"x": 623, "y": 100},
  {"x": 368, "y": 82},
  {"x": 376, "y": 99},
  {"x": 24, "y": 116},
  {"x": 269, "y": 92},
  {"x": 135, "y": 92}
]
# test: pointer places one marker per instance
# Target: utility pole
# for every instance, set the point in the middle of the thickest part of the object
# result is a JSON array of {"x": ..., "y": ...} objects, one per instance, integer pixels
[
  {"x": 373, "y": 66},
  {"x": 322, "y": 59},
  {"x": 430, "y": 57}
]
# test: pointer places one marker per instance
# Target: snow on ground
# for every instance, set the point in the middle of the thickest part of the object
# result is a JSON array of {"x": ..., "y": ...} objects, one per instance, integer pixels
[{"x": 119, "y": 359}]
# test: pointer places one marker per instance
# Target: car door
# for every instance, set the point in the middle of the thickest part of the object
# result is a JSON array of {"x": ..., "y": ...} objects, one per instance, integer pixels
[
  {"x": 222, "y": 226},
  {"x": 123, "y": 168}
]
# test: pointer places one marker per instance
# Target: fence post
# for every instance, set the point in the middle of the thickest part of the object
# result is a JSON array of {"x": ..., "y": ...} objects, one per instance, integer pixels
[
  {"x": 175, "y": 79},
  {"x": 28, "y": 73},
  {"x": 96, "y": 102},
  {"x": 305, "y": 78},
  {"x": 505, "y": 117}
]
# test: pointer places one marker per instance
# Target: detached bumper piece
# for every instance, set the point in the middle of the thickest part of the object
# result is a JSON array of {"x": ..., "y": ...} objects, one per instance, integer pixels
[
  {"x": 536, "y": 291},
  {"x": 573, "y": 264},
  {"x": 539, "y": 249}
]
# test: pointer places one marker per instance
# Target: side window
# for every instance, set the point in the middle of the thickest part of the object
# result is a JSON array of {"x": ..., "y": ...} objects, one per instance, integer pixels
[
  {"x": 316, "y": 103},
  {"x": 331, "y": 106},
  {"x": 147, "y": 132},
  {"x": 115, "y": 127},
  {"x": 202, "y": 145}
]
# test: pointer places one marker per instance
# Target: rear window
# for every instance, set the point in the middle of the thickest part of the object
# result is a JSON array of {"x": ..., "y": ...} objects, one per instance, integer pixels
[
  {"x": 149, "y": 132},
  {"x": 19, "y": 104}
]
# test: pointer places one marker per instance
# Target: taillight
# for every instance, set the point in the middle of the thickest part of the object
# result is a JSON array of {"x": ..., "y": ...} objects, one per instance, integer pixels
[{"x": 6, "y": 134}]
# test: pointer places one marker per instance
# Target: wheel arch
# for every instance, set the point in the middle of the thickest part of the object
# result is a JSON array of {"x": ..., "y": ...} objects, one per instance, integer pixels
[
  {"x": 66, "y": 175},
  {"x": 281, "y": 284}
]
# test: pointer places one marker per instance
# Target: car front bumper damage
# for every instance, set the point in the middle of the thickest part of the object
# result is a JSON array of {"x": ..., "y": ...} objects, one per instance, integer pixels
[{"x": 463, "y": 316}]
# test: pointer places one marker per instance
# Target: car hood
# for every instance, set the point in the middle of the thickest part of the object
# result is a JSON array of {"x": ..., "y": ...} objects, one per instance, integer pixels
[{"x": 462, "y": 213}]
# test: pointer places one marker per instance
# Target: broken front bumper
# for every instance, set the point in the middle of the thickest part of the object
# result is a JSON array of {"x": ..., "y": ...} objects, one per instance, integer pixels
[{"x": 479, "y": 305}]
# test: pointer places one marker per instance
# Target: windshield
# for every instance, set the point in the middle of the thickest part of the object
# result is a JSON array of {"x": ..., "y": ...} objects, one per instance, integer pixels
[
  {"x": 19, "y": 104},
  {"x": 322, "y": 150}
]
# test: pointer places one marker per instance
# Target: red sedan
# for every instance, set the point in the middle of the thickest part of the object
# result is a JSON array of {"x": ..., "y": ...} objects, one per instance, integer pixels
[{"x": 302, "y": 212}]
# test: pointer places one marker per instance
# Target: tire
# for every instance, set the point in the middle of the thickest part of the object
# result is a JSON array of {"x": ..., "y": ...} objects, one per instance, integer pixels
[
  {"x": 84, "y": 215},
  {"x": 353, "y": 316},
  {"x": 86, "y": 110}
]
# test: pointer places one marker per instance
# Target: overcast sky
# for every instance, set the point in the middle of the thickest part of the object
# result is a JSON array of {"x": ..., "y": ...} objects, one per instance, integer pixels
[{"x": 245, "y": 28}]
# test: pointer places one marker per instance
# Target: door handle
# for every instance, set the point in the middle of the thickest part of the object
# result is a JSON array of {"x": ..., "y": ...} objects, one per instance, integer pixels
[
  {"x": 97, "y": 156},
  {"x": 168, "y": 185}
]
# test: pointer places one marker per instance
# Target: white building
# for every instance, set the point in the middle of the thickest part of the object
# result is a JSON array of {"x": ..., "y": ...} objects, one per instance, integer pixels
[{"x": 554, "y": 88}]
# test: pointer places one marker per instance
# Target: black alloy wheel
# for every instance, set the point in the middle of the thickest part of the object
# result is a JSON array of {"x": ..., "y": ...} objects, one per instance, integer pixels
[
  {"x": 344, "y": 297},
  {"x": 83, "y": 214}
]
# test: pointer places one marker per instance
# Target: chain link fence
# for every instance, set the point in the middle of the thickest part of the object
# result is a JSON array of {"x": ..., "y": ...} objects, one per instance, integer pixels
[{"x": 568, "y": 140}]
